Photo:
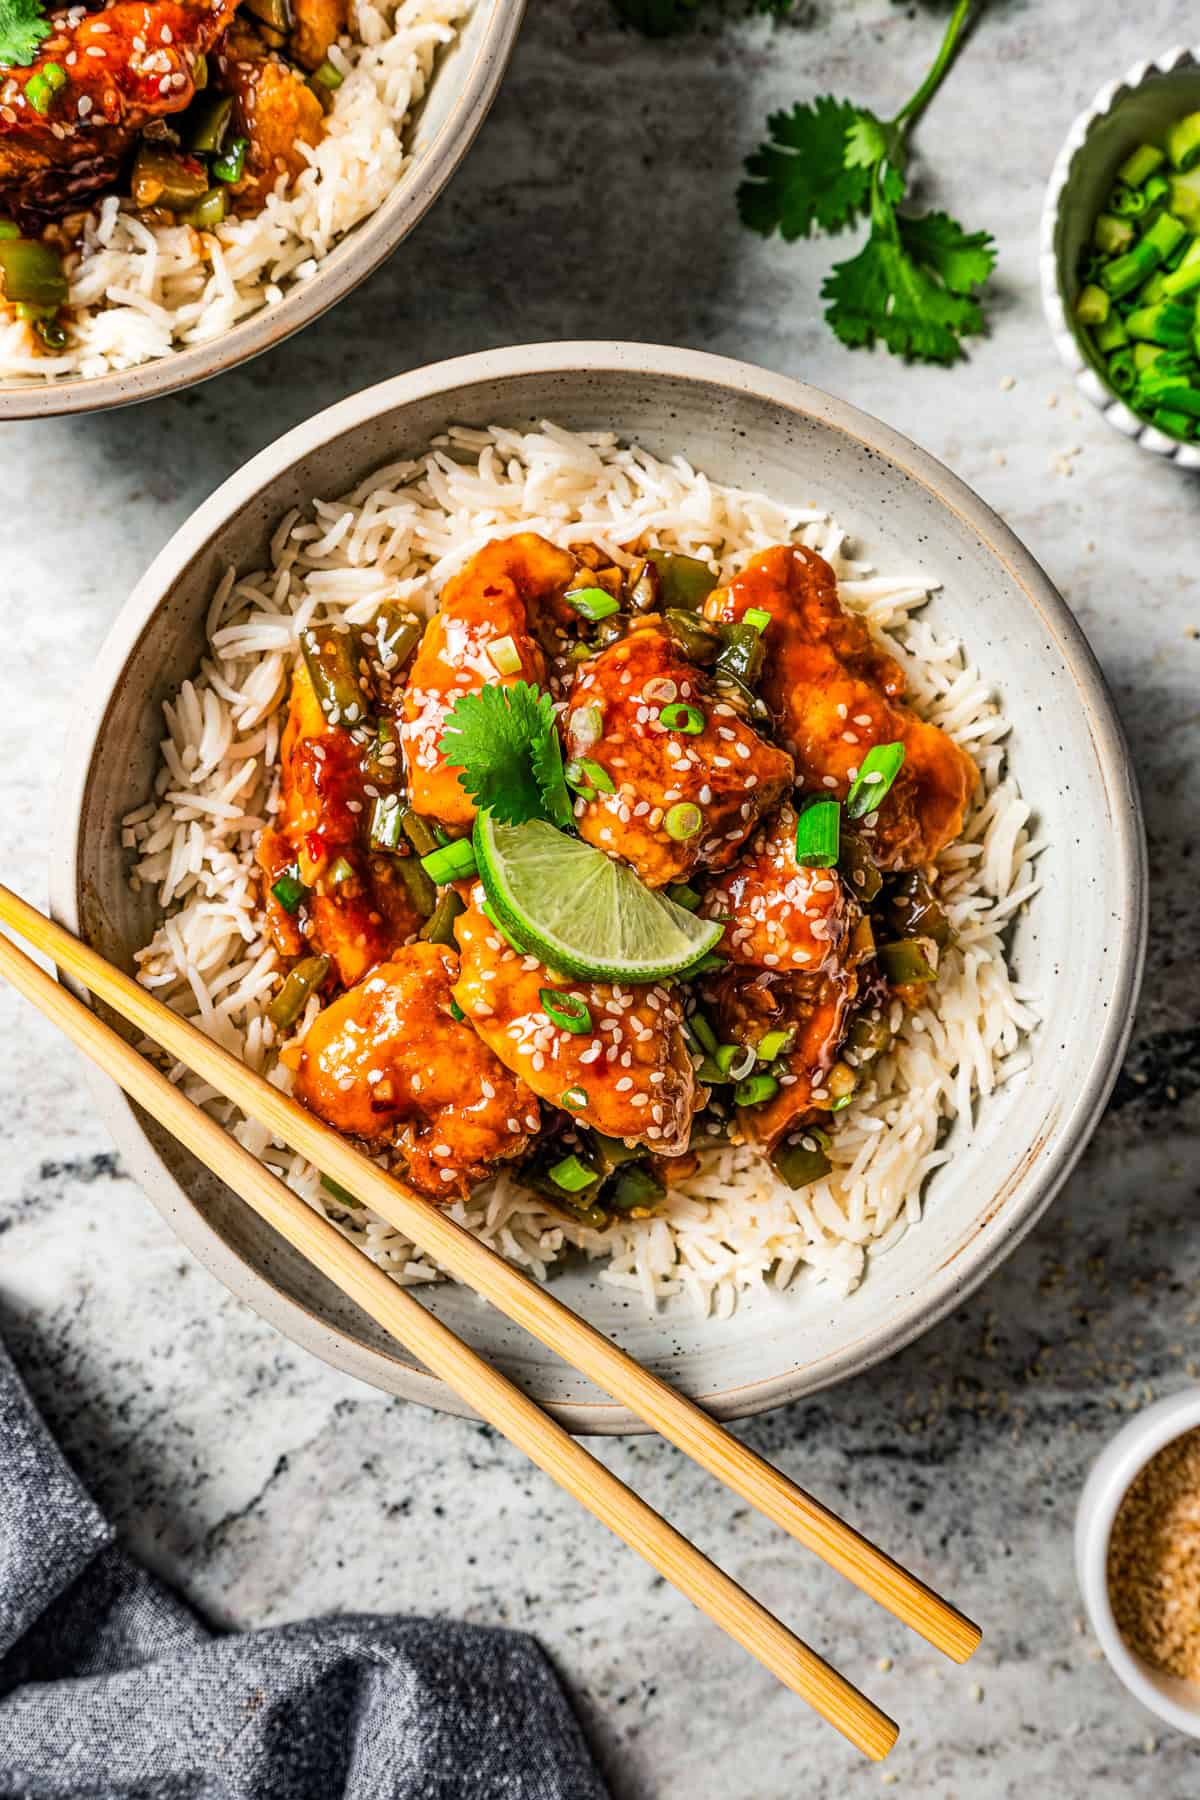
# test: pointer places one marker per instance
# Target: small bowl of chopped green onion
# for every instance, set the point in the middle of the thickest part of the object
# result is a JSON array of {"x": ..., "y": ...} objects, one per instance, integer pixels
[{"x": 1120, "y": 254}]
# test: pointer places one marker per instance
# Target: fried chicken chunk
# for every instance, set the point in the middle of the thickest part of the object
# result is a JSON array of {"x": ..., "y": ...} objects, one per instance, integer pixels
[
  {"x": 361, "y": 918},
  {"x": 388, "y": 1062},
  {"x": 486, "y": 602},
  {"x": 319, "y": 23},
  {"x": 274, "y": 108},
  {"x": 629, "y": 1076},
  {"x": 117, "y": 69},
  {"x": 725, "y": 771},
  {"x": 792, "y": 968},
  {"x": 834, "y": 693}
]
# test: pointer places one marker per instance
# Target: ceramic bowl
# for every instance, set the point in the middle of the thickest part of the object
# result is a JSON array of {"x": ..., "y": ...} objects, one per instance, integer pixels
[
  {"x": 1172, "y": 1699},
  {"x": 464, "y": 85},
  {"x": 1124, "y": 114},
  {"x": 1079, "y": 945}
]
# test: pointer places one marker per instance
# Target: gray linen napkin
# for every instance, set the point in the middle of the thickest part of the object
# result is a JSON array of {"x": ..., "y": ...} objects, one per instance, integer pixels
[{"x": 111, "y": 1688}]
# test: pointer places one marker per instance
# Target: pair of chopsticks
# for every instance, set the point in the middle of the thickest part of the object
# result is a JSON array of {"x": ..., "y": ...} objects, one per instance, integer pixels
[{"x": 490, "y": 1393}]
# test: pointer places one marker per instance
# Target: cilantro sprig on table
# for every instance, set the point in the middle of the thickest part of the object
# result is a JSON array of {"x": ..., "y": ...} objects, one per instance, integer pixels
[
  {"x": 914, "y": 283},
  {"x": 22, "y": 29},
  {"x": 505, "y": 742}
]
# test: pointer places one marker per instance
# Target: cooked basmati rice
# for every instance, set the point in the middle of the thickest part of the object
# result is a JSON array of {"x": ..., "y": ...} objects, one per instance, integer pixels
[
  {"x": 138, "y": 291},
  {"x": 398, "y": 536}
]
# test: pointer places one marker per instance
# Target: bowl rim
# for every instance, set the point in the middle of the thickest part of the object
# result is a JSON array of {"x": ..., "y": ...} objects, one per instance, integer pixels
[
  {"x": 1043, "y": 1172},
  {"x": 364, "y": 247},
  {"x": 1109, "y": 1480},
  {"x": 1054, "y": 297}
]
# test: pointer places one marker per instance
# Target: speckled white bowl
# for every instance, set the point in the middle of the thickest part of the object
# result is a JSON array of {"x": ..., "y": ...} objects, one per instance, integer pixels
[
  {"x": 1079, "y": 945},
  {"x": 1124, "y": 114},
  {"x": 464, "y": 84},
  {"x": 1113, "y": 1473}
]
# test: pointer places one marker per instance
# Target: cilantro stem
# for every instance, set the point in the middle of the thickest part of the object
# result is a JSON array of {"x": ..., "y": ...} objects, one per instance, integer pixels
[{"x": 912, "y": 110}]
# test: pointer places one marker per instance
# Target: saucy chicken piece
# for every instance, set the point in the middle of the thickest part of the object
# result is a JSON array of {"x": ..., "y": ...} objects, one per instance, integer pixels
[
  {"x": 319, "y": 23},
  {"x": 389, "y": 1063},
  {"x": 834, "y": 693},
  {"x": 789, "y": 945},
  {"x": 629, "y": 1076},
  {"x": 486, "y": 602},
  {"x": 725, "y": 774},
  {"x": 360, "y": 919},
  {"x": 114, "y": 71},
  {"x": 274, "y": 109}
]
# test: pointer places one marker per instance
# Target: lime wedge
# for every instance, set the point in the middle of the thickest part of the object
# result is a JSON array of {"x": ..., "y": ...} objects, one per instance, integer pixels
[{"x": 580, "y": 911}]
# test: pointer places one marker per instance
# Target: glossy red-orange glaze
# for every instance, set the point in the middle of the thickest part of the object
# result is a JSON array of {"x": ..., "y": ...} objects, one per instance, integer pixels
[{"x": 834, "y": 693}]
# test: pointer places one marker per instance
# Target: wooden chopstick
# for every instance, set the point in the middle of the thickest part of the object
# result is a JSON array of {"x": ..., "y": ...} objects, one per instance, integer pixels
[
  {"x": 516, "y": 1294},
  {"x": 495, "y": 1398}
]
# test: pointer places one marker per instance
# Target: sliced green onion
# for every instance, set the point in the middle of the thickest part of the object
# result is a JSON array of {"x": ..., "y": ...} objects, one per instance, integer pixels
[
  {"x": 588, "y": 777},
  {"x": 683, "y": 821},
  {"x": 453, "y": 862},
  {"x": 773, "y": 1044},
  {"x": 293, "y": 996},
  {"x": 593, "y": 603},
  {"x": 572, "y": 1176},
  {"x": 819, "y": 835},
  {"x": 1113, "y": 236},
  {"x": 341, "y": 871},
  {"x": 843, "y": 1101},
  {"x": 230, "y": 166},
  {"x": 55, "y": 76},
  {"x": 1139, "y": 164},
  {"x": 289, "y": 890},
  {"x": 575, "y": 1099},
  {"x": 504, "y": 656},
  {"x": 567, "y": 1011},
  {"x": 758, "y": 617},
  {"x": 682, "y": 716},
  {"x": 804, "y": 1162},
  {"x": 327, "y": 76},
  {"x": 683, "y": 895},
  {"x": 1092, "y": 305},
  {"x": 385, "y": 830},
  {"x": 1127, "y": 202},
  {"x": 456, "y": 1011},
  {"x": 1183, "y": 142},
  {"x": 734, "y": 1060},
  {"x": 1122, "y": 372},
  {"x": 755, "y": 1090},
  {"x": 1112, "y": 335},
  {"x": 879, "y": 769},
  {"x": 39, "y": 93}
]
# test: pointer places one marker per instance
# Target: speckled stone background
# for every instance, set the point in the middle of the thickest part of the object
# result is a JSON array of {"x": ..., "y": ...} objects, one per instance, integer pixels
[{"x": 598, "y": 202}]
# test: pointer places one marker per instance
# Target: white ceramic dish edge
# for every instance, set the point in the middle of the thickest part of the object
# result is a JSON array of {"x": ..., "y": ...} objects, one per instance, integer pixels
[
  {"x": 1172, "y": 1700},
  {"x": 1048, "y": 1162},
  {"x": 1101, "y": 396}
]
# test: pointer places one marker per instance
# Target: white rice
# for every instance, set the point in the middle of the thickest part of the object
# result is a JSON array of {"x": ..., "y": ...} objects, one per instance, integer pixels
[
  {"x": 732, "y": 1225},
  {"x": 138, "y": 291}
]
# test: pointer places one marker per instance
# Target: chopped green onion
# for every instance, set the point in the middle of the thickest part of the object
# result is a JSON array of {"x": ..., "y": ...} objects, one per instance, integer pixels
[
  {"x": 1155, "y": 190},
  {"x": 818, "y": 835},
  {"x": 327, "y": 76},
  {"x": 456, "y": 1011},
  {"x": 1113, "y": 236},
  {"x": 734, "y": 1060},
  {"x": 587, "y": 777},
  {"x": 879, "y": 769},
  {"x": 230, "y": 166},
  {"x": 1186, "y": 277},
  {"x": 907, "y": 961},
  {"x": 453, "y": 862},
  {"x": 773, "y": 1044},
  {"x": 386, "y": 829},
  {"x": 682, "y": 716},
  {"x": 575, "y": 1099},
  {"x": 504, "y": 656},
  {"x": 758, "y": 617},
  {"x": 683, "y": 895},
  {"x": 1112, "y": 335},
  {"x": 1139, "y": 164},
  {"x": 1167, "y": 323},
  {"x": 55, "y": 76},
  {"x": 593, "y": 603},
  {"x": 294, "y": 995},
  {"x": 567, "y": 1011},
  {"x": 1184, "y": 201},
  {"x": 572, "y": 1176},
  {"x": 1122, "y": 372},
  {"x": 802, "y": 1163},
  {"x": 1127, "y": 202},
  {"x": 289, "y": 890},
  {"x": 683, "y": 821},
  {"x": 39, "y": 93},
  {"x": 341, "y": 871},
  {"x": 1183, "y": 142},
  {"x": 755, "y": 1090},
  {"x": 1092, "y": 306},
  {"x": 839, "y": 1104}
]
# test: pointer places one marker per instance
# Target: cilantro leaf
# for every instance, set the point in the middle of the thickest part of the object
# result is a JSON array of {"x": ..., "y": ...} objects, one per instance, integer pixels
[
  {"x": 910, "y": 286},
  {"x": 22, "y": 29},
  {"x": 800, "y": 179},
  {"x": 505, "y": 741}
]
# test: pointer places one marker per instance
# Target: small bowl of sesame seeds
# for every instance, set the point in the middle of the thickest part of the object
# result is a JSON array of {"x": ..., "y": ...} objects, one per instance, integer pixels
[{"x": 1137, "y": 1557}]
